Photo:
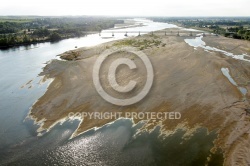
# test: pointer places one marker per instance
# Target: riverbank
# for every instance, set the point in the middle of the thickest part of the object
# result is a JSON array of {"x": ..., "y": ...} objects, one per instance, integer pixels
[
  {"x": 27, "y": 31},
  {"x": 186, "y": 80},
  {"x": 236, "y": 28}
]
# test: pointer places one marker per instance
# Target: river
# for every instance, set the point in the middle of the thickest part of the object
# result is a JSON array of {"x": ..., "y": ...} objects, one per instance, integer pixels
[{"x": 110, "y": 145}]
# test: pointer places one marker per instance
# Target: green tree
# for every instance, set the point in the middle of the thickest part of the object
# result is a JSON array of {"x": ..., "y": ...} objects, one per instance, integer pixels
[
  {"x": 55, "y": 37},
  {"x": 241, "y": 33},
  {"x": 247, "y": 35},
  {"x": 26, "y": 39}
]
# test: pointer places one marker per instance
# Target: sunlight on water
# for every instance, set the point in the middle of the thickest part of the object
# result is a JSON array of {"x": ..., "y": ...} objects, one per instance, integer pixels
[{"x": 20, "y": 84}]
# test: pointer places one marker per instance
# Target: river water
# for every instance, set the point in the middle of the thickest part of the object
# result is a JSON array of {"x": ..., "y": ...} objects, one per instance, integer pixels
[{"x": 110, "y": 145}]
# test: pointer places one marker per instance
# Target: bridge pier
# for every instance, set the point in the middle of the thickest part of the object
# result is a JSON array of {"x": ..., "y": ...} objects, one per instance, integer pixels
[
  {"x": 139, "y": 34},
  {"x": 178, "y": 34}
]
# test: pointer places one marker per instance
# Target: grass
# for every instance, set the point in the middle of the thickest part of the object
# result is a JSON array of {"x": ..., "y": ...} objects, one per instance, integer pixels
[{"x": 141, "y": 44}]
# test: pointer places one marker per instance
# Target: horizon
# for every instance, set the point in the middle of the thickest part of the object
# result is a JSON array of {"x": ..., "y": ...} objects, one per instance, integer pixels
[
  {"x": 129, "y": 16},
  {"x": 179, "y": 8}
]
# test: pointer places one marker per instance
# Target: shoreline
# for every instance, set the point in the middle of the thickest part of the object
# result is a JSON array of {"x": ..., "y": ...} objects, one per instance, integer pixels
[
  {"x": 181, "y": 87},
  {"x": 121, "y": 26}
]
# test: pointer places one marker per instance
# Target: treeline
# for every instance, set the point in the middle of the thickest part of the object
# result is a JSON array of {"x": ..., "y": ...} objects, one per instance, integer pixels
[
  {"x": 15, "y": 40},
  {"x": 238, "y": 33},
  {"x": 234, "y": 27},
  {"x": 50, "y": 29},
  {"x": 10, "y": 27}
]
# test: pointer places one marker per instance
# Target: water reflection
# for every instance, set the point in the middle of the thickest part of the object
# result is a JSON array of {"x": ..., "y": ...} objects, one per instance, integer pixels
[{"x": 116, "y": 144}]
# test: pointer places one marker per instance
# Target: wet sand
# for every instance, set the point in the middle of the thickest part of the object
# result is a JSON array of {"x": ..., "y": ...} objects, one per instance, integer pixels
[{"x": 186, "y": 80}]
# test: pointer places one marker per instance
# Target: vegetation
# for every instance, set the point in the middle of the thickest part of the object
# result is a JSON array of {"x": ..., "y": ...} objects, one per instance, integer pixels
[
  {"x": 27, "y": 30},
  {"x": 141, "y": 44},
  {"x": 238, "y": 28},
  {"x": 55, "y": 36}
]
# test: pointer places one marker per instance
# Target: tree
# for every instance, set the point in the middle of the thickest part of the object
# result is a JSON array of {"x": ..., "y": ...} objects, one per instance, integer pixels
[
  {"x": 26, "y": 39},
  {"x": 241, "y": 33},
  {"x": 55, "y": 36},
  {"x": 41, "y": 32},
  {"x": 247, "y": 35},
  {"x": 3, "y": 41}
]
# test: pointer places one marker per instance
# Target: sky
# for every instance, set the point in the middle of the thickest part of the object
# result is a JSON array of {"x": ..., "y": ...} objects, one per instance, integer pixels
[{"x": 126, "y": 7}]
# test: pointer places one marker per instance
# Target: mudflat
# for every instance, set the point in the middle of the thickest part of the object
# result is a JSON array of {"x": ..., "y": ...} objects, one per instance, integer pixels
[{"x": 186, "y": 80}]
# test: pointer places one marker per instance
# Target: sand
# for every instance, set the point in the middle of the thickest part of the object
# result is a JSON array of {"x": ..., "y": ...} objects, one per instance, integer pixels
[{"x": 186, "y": 80}]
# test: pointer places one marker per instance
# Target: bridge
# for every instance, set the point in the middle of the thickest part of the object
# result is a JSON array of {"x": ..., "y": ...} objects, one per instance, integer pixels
[
  {"x": 112, "y": 33},
  {"x": 161, "y": 32}
]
